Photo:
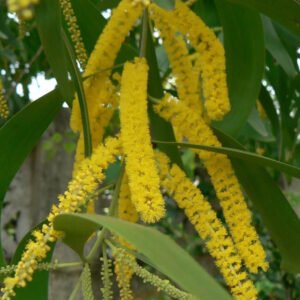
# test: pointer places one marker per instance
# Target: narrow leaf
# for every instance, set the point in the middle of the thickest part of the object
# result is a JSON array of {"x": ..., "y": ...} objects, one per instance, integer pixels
[
  {"x": 18, "y": 137},
  {"x": 164, "y": 253},
  {"x": 244, "y": 46},
  {"x": 286, "y": 12},
  {"x": 48, "y": 21},
  {"x": 248, "y": 157},
  {"x": 277, "y": 49}
]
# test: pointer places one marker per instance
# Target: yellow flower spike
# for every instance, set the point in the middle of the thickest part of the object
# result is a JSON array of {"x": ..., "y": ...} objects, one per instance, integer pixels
[
  {"x": 127, "y": 212},
  {"x": 74, "y": 30},
  {"x": 4, "y": 111},
  {"x": 209, "y": 227},
  {"x": 104, "y": 54},
  {"x": 187, "y": 77},
  {"x": 236, "y": 212},
  {"x": 136, "y": 142},
  {"x": 80, "y": 189},
  {"x": 126, "y": 209},
  {"x": 212, "y": 59}
]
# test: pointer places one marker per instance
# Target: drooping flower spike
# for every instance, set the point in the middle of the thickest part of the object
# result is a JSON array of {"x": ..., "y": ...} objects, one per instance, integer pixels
[
  {"x": 100, "y": 93},
  {"x": 226, "y": 185},
  {"x": 136, "y": 142},
  {"x": 211, "y": 59},
  {"x": 210, "y": 228},
  {"x": 79, "y": 193},
  {"x": 187, "y": 79}
]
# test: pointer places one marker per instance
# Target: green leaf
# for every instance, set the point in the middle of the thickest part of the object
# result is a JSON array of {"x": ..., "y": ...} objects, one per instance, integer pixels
[
  {"x": 38, "y": 287},
  {"x": 286, "y": 12},
  {"x": 277, "y": 49},
  {"x": 256, "y": 123},
  {"x": 277, "y": 214},
  {"x": 20, "y": 134},
  {"x": 166, "y": 4},
  {"x": 244, "y": 46},
  {"x": 162, "y": 252},
  {"x": 246, "y": 156},
  {"x": 268, "y": 105},
  {"x": 48, "y": 22}
]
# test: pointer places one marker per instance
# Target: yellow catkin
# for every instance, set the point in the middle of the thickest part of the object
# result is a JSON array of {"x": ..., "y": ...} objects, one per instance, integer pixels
[
  {"x": 127, "y": 212},
  {"x": 236, "y": 212},
  {"x": 4, "y": 111},
  {"x": 100, "y": 93},
  {"x": 212, "y": 59},
  {"x": 187, "y": 77},
  {"x": 80, "y": 189},
  {"x": 104, "y": 54},
  {"x": 74, "y": 30},
  {"x": 23, "y": 8},
  {"x": 136, "y": 143},
  {"x": 210, "y": 229}
]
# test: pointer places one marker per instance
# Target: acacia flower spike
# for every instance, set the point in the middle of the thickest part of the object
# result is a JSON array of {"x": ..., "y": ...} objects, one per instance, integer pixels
[
  {"x": 86, "y": 181},
  {"x": 136, "y": 142},
  {"x": 226, "y": 185}
]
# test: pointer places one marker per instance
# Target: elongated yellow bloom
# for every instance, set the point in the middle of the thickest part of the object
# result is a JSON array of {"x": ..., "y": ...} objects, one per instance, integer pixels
[
  {"x": 226, "y": 185},
  {"x": 212, "y": 59},
  {"x": 80, "y": 192},
  {"x": 187, "y": 80},
  {"x": 4, "y": 111},
  {"x": 104, "y": 54},
  {"x": 126, "y": 209},
  {"x": 136, "y": 142},
  {"x": 210, "y": 229},
  {"x": 74, "y": 30}
]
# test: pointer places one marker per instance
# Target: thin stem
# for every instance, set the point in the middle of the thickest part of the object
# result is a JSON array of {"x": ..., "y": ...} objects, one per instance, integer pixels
[
  {"x": 88, "y": 148},
  {"x": 144, "y": 36},
  {"x": 111, "y": 212},
  {"x": 154, "y": 100},
  {"x": 76, "y": 289}
]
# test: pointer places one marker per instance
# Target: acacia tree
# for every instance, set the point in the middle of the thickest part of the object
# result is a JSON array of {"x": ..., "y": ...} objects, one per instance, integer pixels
[{"x": 150, "y": 83}]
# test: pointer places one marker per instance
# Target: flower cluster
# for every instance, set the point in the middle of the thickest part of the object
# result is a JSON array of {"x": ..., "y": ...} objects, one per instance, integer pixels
[
  {"x": 211, "y": 59},
  {"x": 23, "y": 8},
  {"x": 137, "y": 149},
  {"x": 187, "y": 79},
  {"x": 73, "y": 28},
  {"x": 236, "y": 212},
  {"x": 210, "y": 228},
  {"x": 80, "y": 192},
  {"x": 100, "y": 93}
]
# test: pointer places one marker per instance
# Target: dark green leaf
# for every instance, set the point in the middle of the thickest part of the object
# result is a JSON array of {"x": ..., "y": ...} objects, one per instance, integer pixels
[
  {"x": 164, "y": 253},
  {"x": 48, "y": 21},
  {"x": 246, "y": 156},
  {"x": 244, "y": 46},
  {"x": 277, "y": 49},
  {"x": 278, "y": 216},
  {"x": 287, "y": 12},
  {"x": 20, "y": 134},
  {"x": 38, "y": 287}
]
